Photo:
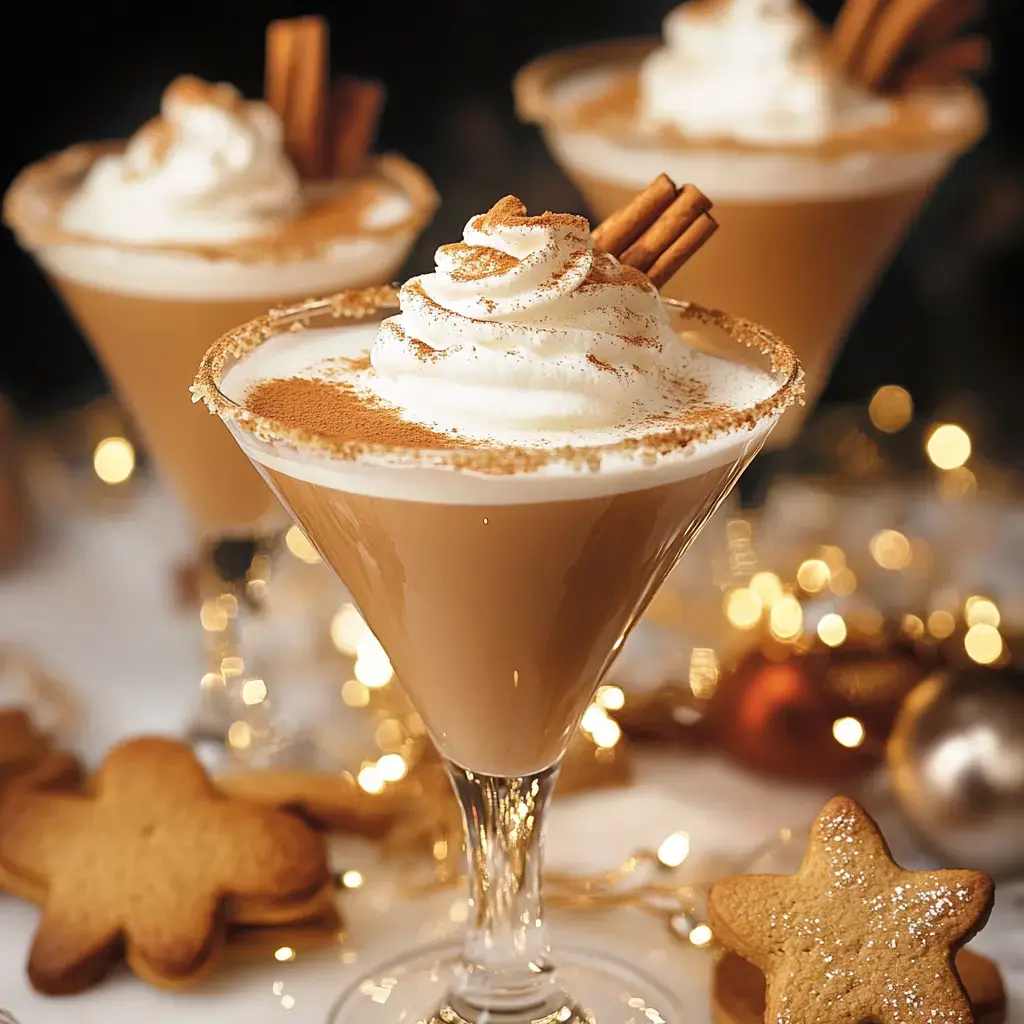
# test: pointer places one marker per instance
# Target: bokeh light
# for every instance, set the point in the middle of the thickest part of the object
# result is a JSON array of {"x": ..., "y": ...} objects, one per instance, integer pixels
[
  {"x": 611, "y": 698},
  {"x": 891, "y": 549},
  {"x": 700, "y": 935},
  {"x": 832, "y": 629},
  {"x": 254, "y": 691},
  {"x": 786, "y": 619},
  {"x": 981, "y": 611},
  {"x": 298, "y": 544},
  {"x": 674, "y": 849},
  {"x": 948, "y": 446},
  {"x": 849, "y": 732},
  {"x": 743, "y": 607},
  {"x": 913, "y": 626},
  {"x": 891, "y": 408},
  {"x": 983, "y": 643},
  {"x": 767, "y": 586},
  {"x": 114, "y": 460},
  {"x": 941, "y": 624},
  {"x": 813, "y": 575}
]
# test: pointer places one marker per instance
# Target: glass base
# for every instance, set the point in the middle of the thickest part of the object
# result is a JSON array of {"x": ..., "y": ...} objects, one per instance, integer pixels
[{"x": 416, "y": 988}]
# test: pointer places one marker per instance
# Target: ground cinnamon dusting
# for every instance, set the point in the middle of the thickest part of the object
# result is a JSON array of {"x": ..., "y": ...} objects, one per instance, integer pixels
[
  {"x": 511, "y": 213},
  {"x": 425, "y": 352},
  {"x": 476, "y": 262},
  {"x": 335, "y": 410}
]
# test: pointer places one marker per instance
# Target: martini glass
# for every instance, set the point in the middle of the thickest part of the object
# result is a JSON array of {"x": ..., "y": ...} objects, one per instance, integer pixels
[{"x": 501, "y": 599}]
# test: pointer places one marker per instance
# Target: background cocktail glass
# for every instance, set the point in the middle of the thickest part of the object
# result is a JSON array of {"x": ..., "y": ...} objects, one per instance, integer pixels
[
  {"x": 149, "y": 315},
  {"x": 499, "y": 648}
]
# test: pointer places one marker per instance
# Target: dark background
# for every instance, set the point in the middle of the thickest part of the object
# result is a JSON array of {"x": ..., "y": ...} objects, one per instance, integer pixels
[{"x": 947, "y": 320}]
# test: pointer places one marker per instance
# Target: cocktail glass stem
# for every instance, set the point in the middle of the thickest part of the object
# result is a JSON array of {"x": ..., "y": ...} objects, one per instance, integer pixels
[{"x": 506, "y": 960}]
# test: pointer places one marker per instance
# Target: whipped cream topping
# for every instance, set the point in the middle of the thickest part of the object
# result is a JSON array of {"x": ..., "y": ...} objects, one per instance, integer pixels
[
  {"x": 525, "y": 328},
  {"x": 211, "y": 169},
  {"x": 752, "y": 70}
]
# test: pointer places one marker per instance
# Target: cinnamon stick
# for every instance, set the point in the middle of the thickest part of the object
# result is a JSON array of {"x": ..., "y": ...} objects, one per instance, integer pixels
[
  {"x": 619, "y": 231},
  {"x": 894, "y": 30},
  {"x": 687, "y": 206},
  {"x": 852, "y": 30},
  {"x": 296, "y": 88},
  {"x": 669, "y": 262},
  {"x": 356, "y": 105}
]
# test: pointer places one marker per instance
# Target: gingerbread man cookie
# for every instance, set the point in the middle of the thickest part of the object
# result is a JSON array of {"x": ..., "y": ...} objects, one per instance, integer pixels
[
  {"x": 853, "y": 937},
  {"x": 153, "y": 863}
]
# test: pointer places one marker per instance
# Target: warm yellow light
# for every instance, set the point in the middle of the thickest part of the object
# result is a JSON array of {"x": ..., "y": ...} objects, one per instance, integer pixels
[
  {"x": 786, "y": 619},
  {"x": 843, "y": 581},
  {"x": 370, "y": 778},
  {"x": 372, "y": 667},
  {"x": 114, "y": 460},
  {"x": 392, "y": 767},
  {"x": 980, "y": 611},
  {"x": 674, "y": 849},
  {"x": 983, "y": 643},
  {"x": 352, "y": 879},
  {"x": 941, "y": 624},
  {"x": 813, "y": 575},
  {"x": 298, "y": 544},
  {"x": 239, "y": 735},
  {"x": 948, "y": 446},
  {"x": 703, "y": 672},
  {"x": 347, "y": 629},
  {"x": 254, "y": 691},
  {"x": 700, "y": 935},
  {"x": 284, "y": 954},
  {"x": 593, "y": 717},
  {"x": 213, "y": 616},
  {"x": 913, "y": 626},
  {"x": 743, "y": 607},
  {"x": 767, "y": 586},
  {"x": 611, "y": 698},
  {"x": 355, "y": 694},
  {"x": 891, "y": 549},
  {"x": 606, "y": 733},
  {"x": 287, "y": 1001},
  {"x": 849, "y": 732},
  {"x": 891, "y": 408},
  {"x": 211, "y": 681},
  {"x": 832, "y": 629},
  {"x": 232, "y": 665}
]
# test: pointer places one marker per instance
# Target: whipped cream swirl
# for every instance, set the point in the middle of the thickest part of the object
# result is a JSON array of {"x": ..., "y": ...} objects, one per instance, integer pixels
[
  {"x": 211, "y": 169},
  {"x": 523, "y": 328},
  {"x": 752, "y": 70}
]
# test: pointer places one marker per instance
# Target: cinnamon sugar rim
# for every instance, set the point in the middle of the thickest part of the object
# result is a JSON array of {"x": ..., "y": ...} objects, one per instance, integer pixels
[
  {"x": 533, "y": 82},
  {"x": 35, "y": 198},
  {"x": 359, "y": 303}
]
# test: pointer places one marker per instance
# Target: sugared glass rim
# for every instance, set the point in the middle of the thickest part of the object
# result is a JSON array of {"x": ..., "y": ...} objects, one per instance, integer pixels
[{"x": 356, "y": 304}]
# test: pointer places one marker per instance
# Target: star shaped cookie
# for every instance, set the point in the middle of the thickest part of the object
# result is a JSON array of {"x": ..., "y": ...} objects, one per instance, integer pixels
[
  {"x": 151, "y": 864},
  {"x": 853, "y": 937}
]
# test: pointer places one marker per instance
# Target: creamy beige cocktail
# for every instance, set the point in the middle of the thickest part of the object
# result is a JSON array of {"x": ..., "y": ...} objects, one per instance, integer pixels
[
  {"x": 815, "y": 178},
  {"x": 502, "y": 474},
  {"x": 159, "y": 245}
]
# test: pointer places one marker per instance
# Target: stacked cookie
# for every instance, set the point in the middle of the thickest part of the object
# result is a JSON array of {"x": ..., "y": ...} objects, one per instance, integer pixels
[{"x": 152, "y": 864}]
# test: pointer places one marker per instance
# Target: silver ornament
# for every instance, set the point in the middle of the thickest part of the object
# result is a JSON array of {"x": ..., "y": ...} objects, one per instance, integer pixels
[{"x": 956, "y": 760}]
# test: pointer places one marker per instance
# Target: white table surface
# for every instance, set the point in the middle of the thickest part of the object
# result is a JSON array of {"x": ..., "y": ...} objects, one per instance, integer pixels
[{"x": 95, "y": 605}]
